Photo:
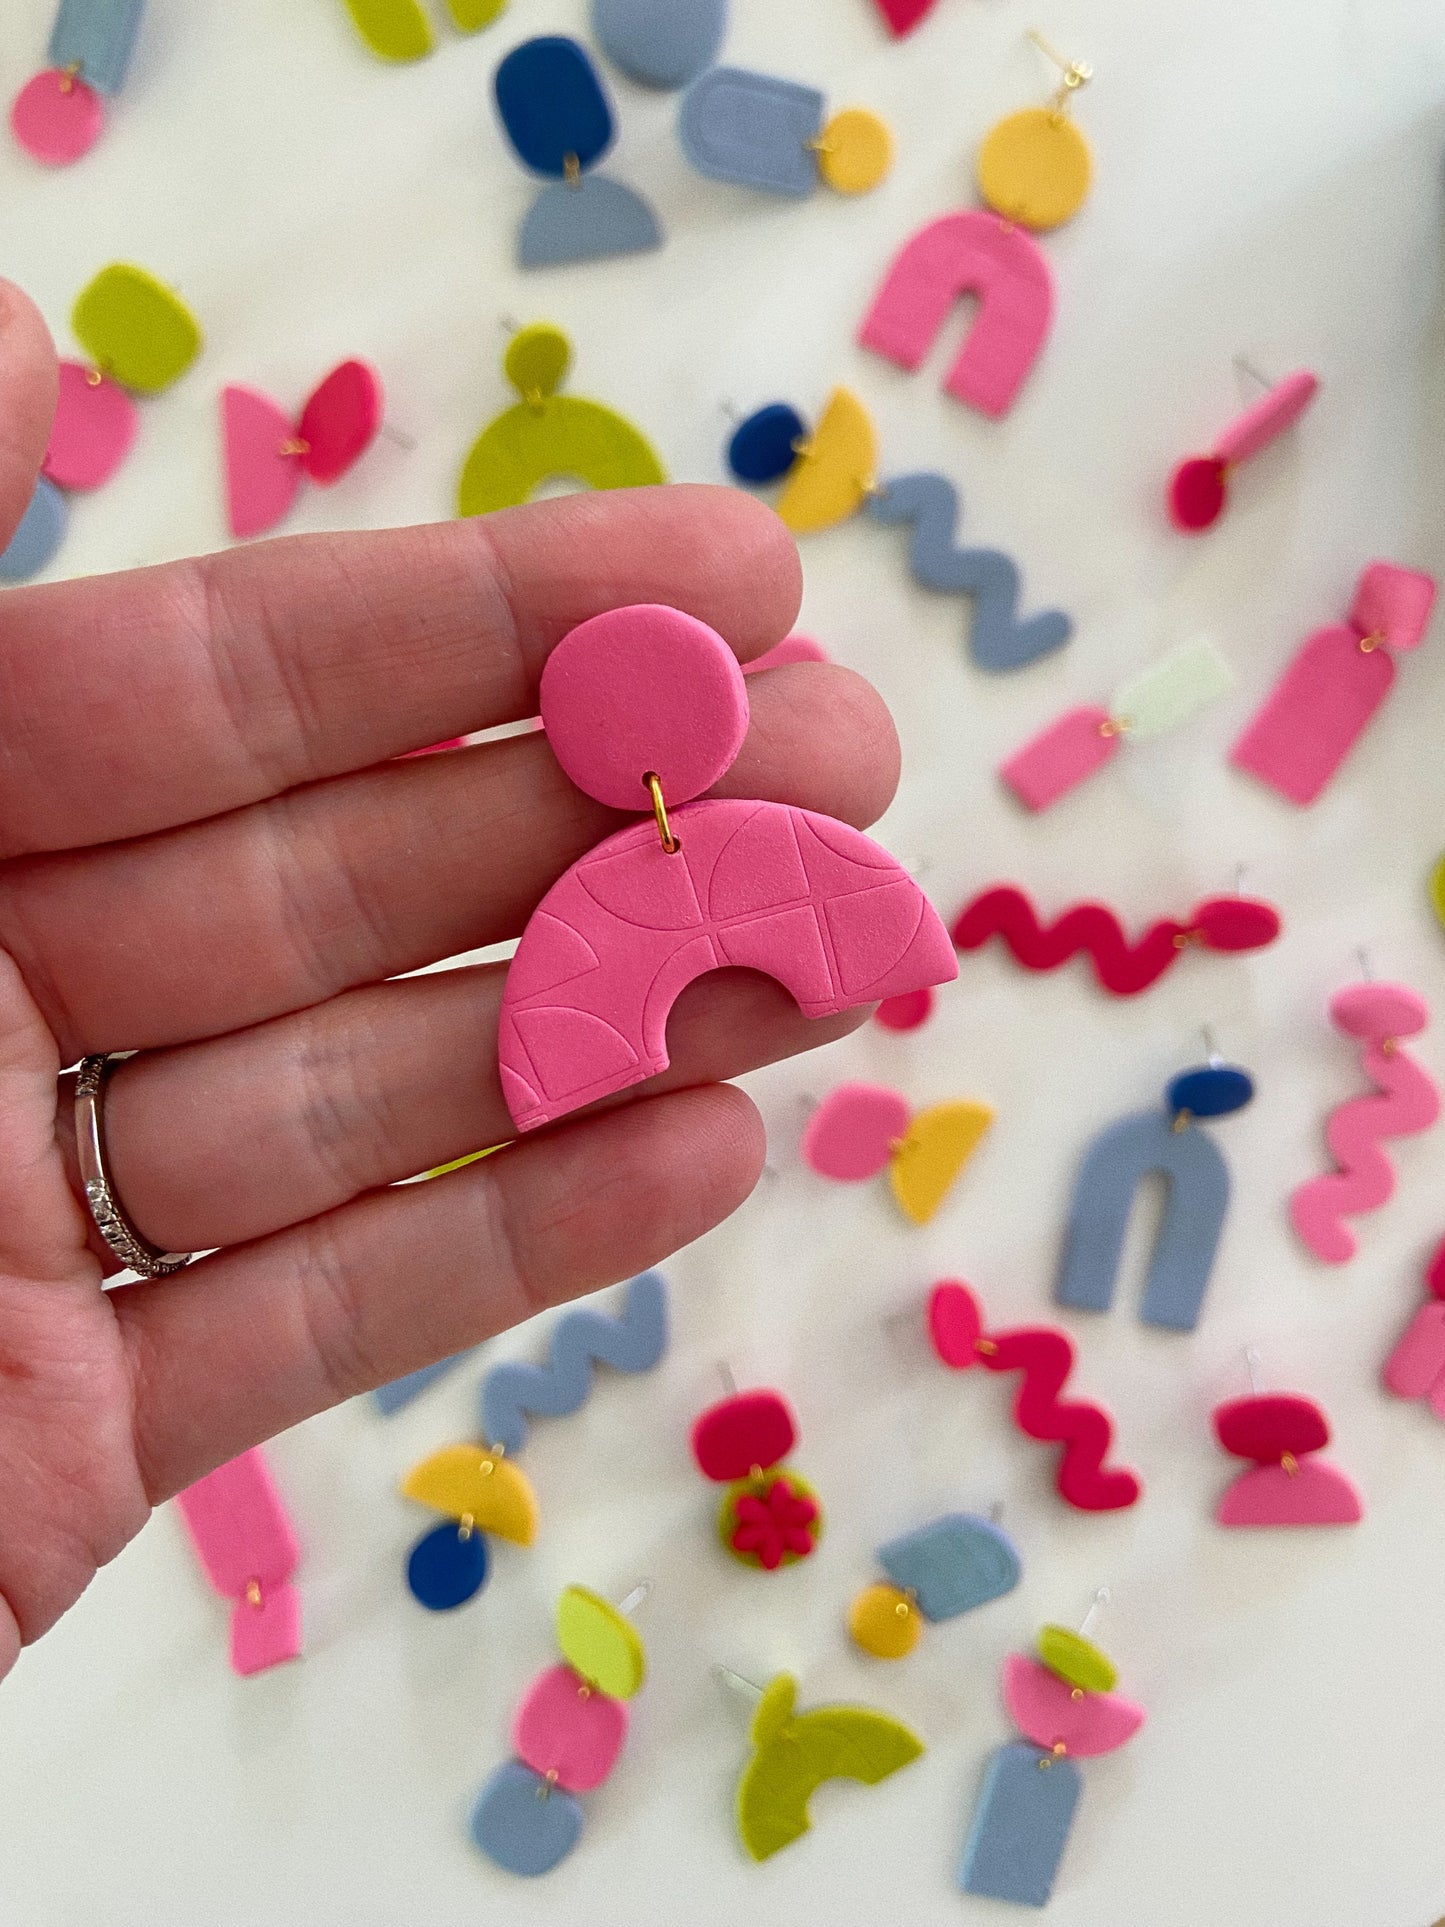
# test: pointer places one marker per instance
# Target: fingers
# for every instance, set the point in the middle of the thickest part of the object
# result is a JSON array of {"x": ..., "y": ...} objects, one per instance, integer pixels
[
  {"x": 219, "y": 1143},
  {"x": 243, "y": 1345},
  {"x": 27, "y": 404},
  {"x": 273, "y": 908},
  {"x": 135, "y": 702}
]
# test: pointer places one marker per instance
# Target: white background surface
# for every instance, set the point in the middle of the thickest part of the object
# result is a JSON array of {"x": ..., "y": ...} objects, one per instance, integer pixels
[{"x": 1268, "y": 183}]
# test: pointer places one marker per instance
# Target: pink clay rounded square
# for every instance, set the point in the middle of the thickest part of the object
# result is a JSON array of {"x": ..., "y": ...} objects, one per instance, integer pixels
[{"x": 566, "y": 1727}]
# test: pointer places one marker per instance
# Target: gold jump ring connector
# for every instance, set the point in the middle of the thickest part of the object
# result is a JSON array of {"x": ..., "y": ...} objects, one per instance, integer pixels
[{"x": 659, "y": 809}]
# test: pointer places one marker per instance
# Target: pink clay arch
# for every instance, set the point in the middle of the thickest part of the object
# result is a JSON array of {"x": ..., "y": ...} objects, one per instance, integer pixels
[{"x": 967, "y": 253}]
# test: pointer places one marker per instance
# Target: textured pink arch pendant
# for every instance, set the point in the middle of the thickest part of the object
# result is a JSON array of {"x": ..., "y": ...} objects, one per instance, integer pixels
[
  {"x": 647, "y": 705},
  {"x": 803, "y": 898},
  {"x": 968, "y": 253}
]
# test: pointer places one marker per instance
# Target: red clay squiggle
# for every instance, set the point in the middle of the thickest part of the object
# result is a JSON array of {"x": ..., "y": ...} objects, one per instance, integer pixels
[
  {"x": 1124, "y": 968},
  {"x": 1045, "y": 1356}
]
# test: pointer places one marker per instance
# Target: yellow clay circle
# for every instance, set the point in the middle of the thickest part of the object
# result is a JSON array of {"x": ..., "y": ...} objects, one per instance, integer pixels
[
  {"x": 855, "y": 151},
  {"x": 1034, "y": 168},
  {"x": 885, "y": 1622}
]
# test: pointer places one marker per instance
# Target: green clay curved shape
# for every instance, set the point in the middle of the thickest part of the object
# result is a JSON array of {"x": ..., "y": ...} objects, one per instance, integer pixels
[
  {"x": 832, "y": 1743},
  {"x": 566, "y": 436},
  {"x": 469, "y": 15},
  {"x": 393, "y": 29}
]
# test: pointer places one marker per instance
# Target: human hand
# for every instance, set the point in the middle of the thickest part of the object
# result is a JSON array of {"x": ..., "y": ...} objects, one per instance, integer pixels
[{"x": 206, "y": 856}]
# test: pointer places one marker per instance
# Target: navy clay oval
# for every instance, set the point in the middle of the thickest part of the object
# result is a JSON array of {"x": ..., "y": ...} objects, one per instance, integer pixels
[
  {"x": 446, "y": 1569},
  {"x": 765, "y": 446},
  {"x": 552, "y": 105},
  {"x": 1210, "y": 1090}
]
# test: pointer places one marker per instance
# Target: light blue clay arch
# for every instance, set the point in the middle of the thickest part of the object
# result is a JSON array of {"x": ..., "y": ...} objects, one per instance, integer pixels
[{"x": 1116, "y": 1164}]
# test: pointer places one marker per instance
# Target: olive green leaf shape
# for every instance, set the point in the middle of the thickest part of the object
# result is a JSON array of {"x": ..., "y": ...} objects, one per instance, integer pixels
[{"x": 796, "y": 1753}]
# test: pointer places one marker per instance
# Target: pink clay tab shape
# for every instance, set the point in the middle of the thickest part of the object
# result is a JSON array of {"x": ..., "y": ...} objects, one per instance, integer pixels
[
  {"x": 1327, "y": 695},
  {"x": 247, "y": 1547},
  {"x": 1060, "y": 757}
]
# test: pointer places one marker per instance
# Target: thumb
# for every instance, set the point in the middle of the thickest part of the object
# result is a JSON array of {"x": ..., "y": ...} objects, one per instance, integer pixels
[{"x": 28, "y": 380}]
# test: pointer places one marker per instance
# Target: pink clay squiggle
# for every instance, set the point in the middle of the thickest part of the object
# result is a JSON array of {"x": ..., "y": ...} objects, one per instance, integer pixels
[{"x": 1407, "y": 1100}]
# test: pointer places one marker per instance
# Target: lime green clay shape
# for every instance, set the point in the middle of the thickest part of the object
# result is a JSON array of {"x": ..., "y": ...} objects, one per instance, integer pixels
[
  {"x": 548, "y": 435},
  {"x": 399, "y": 29},
  {"x": 134, "y": 329},
  {"x": 796, "y": 1752}
]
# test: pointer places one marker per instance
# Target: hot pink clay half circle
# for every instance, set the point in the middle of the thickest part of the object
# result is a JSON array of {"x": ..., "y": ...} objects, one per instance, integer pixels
[
  {"x": 1045, "y": 1710},
  {"x": 1313, "y": 1494}
]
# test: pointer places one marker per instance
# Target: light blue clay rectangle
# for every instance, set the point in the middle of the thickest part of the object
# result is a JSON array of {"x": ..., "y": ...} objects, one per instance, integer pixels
[
  {"x": 1022, "y": 1824},
  {"x": 97, "y": 38},
  {"x": 752, "y": 130}
]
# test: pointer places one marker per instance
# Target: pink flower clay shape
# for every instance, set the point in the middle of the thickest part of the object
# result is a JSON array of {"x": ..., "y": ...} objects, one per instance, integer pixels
[{"x": 777, "y": 1521}]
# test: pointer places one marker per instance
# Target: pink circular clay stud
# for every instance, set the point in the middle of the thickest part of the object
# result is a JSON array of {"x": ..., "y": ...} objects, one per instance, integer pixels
[
  {"x": 907, "y": 1012},
  {"x": 638, "y": 691},
  {"x": 56, "y": 118},
  {"x": 1197, "y": 494},
  {"x": 852, "y": 1134},
  {"x": 339, "y": 421},
  {"x": 566, "y": 1727},
  {"x": 95, "y": 424}
]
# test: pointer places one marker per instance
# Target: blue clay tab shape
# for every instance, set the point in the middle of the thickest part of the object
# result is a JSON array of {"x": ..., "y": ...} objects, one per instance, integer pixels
[
  {"x": 447, "y": 1567},
  {"x": 765, "y": 446},
  {"x": 953, "y": 1564},
  {"x": 660, "y": 43},
  {"x": 999, "y": 641},
  {"x": 1211, "y": 1090},
  {"x": 41, "y": 531},
  {"x": 522, "y": 1825},
  {"x": 552, "y": 105},
  {"x": 1021, "y": 1826},
  {"x": 752, "y": 130},
  {"x": 633, "y": 1341},
  {"x": 1116, "y": 1164},
  {"x": 97, "y": 37},
  {"x": 592, "y": 221}
]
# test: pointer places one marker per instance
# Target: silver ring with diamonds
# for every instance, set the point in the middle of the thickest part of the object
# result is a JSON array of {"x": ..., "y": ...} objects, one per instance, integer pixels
[{"x": 134, "y": 1251}]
